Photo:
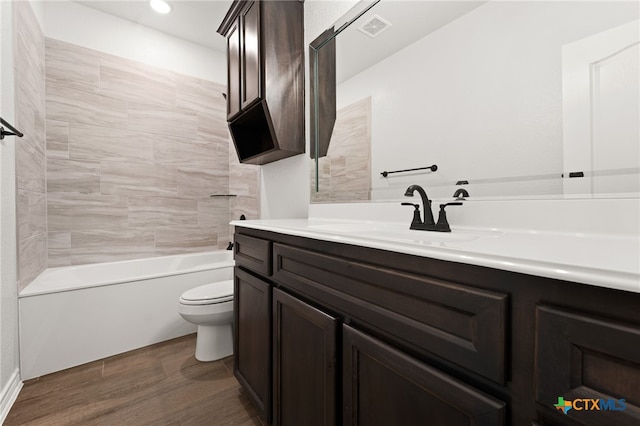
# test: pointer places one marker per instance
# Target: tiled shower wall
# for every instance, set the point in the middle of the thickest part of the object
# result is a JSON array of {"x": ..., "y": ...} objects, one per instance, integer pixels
[
  {"x": 344, "y": 174},
  {"x": 133, "y": 155},
  {"x": 31, "y": 205}
]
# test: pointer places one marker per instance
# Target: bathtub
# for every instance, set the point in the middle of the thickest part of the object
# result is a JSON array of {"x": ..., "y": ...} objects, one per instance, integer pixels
[{"x": 73, "y": 315}]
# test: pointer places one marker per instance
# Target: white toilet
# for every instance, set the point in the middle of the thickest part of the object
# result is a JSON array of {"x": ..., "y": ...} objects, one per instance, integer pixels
[{"x": 210, "y": 307}]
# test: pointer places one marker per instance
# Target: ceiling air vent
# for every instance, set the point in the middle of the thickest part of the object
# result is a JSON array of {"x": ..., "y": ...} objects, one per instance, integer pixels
[{"x": 374, "y": 26}]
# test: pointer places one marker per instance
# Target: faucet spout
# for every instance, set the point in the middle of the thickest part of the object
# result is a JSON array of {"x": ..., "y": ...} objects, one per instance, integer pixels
[{"x": 426, "y": 203}]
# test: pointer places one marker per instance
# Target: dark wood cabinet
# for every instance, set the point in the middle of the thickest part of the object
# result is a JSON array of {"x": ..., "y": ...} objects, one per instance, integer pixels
[
  {"x": 233, "y": 70},
  {"x": 304, "y": 363},
  {"x": 412, "y": 340},
  {"x": 252, "y": 338},
  {"x": 462, "y": 324},
  {"x": 251, "y": 72},
  {"x": 265, "y": 82},
  {"x": 591, "y": 362},
  {"x": 383, "y": 386}
]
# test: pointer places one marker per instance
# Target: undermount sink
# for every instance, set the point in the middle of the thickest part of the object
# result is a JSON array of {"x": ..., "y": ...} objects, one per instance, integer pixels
[{"x": 398, "y": 233}]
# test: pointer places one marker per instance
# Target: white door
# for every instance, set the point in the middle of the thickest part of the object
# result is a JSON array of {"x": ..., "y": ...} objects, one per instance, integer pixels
[{"x": 601, "y": 112}]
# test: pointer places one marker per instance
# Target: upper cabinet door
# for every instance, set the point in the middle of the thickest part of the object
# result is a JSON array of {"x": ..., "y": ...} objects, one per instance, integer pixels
[
  {"x": 266, "y": 78},
  {"x": 233, "y": 70},
  {"x": 251, "y": 72}
]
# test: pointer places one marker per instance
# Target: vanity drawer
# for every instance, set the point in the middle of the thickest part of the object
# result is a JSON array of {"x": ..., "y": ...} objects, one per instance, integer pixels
[
  {"x": 253, "y": 253},
  {"x": 460, "y": 324}
]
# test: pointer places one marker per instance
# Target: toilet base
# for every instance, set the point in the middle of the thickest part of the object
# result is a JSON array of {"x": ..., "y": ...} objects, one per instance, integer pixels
[{"x": 214, "y": 342}]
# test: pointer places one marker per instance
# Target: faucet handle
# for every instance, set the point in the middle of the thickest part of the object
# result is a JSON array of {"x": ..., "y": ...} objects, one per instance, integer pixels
[
  {"x": 454, "y": 203},
  {"x": 417, "y": 206},
  {"x": 443, "y": 224},
  {"x": 416, "y": 214}
]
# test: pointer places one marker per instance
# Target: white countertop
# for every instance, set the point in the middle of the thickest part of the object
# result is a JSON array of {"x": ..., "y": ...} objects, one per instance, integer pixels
[{"x": 605, "y": 260}]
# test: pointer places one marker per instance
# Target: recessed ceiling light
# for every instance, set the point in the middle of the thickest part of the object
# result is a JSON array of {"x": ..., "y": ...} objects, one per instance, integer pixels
[{"x": 160, "y": 6}]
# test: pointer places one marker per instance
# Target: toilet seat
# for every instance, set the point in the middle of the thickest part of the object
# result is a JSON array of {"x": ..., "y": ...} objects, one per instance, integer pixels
[{"x": 209, "y": 294}]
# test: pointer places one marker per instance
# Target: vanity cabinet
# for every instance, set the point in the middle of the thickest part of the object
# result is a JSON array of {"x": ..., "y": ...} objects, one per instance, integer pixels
[
  {"x": 384, "y": 386},
  {"x": 252, "y": 343},
  {"x": 304, "y": 363},
  {"x": 361, "y": 336},
  {"x": 265, "y": 78}
]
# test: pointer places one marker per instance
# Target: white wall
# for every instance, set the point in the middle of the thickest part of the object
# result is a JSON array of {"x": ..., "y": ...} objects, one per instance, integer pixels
[
  {"x": 9, "y": 356},
  {"x": 83, "y": 26},
  {"x": 475, "y": 102},
  {"x": 285, "y": 183}
]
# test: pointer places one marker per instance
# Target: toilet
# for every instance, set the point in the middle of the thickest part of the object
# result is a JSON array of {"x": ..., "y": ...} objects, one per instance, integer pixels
[{"x": 210, "y": 307}]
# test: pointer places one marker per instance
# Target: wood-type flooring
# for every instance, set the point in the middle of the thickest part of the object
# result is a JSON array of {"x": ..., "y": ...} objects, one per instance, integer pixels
[{"x": 162, "y": 384}]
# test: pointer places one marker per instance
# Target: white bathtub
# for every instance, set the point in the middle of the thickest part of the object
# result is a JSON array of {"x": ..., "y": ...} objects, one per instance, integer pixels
[{"x": 77, "y": 314}]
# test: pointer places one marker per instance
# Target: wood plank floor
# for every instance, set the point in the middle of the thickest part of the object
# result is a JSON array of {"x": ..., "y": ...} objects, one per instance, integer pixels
[{"x": 161, "y": 384}]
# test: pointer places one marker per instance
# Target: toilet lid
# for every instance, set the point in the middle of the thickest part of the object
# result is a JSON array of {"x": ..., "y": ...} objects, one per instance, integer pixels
[{"x": 217, "y": 292}]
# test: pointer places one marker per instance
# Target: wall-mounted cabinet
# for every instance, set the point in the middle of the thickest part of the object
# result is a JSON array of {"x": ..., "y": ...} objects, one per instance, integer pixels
[{"x": 265, "y": 82}]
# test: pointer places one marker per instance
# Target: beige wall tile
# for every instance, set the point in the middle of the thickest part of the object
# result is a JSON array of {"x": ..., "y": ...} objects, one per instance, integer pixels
[
  {"x": 163, "y": 121},
  {"x": 185, "y": 152},
  {"x": 59, "y": 247},
  {"x": 133, "y": 160},
  {"x": 73, "y": 176},
  {"x": 345, "y": 173},
  {"x": 244, "y": 179},
  {"x": 202, "y": 183},
  {"x": 95, "y": 246},
  {"x": 59, "y": 240},
  {"x": 245, "y": 205},
  {"x": 213, "y": 127},
  {"x": 200, "y": 95},
  {"x": 29, "y": 60},
  {"x": 30, "y": 168},
  {"x": 138, "y": 179},
  {"x": 32, "y": 258},
  {"x": 129, "y": 81},
  {"x": 32, "y": 219},
  {"x": 173, "y": 240},
  {"x": 157, "y": 211},
  {"x": 29, "y": 36},
  {"x": 30, "y": 120},
  {"x": 214, "y": 213},
  {"x": 68, "y": 212},
  {"x": 57, "y": 139},
  {"x": 30, "y": 150},
  {"x": 79, "y": 106},
  {"x": 72, "y": 66},
  {"x": 59, "y": 257},
  {"x": 93, "y": 143}
]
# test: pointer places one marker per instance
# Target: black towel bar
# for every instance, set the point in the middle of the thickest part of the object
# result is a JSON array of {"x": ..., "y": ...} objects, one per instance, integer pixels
[
  {"x": 13, "y": 132},
  {"x": 432, "y": 168}
]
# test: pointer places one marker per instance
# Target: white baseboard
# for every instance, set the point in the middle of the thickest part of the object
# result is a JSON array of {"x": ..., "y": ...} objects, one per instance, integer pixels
[{"x": 9, "y": 394}]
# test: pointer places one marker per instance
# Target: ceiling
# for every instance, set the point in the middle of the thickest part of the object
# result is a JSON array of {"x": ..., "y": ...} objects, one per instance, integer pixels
[
  {"x": 195, "y": 21},
  {"x": 409, "y": 21}
]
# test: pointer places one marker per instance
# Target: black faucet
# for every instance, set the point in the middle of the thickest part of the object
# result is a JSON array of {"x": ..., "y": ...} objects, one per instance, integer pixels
[
  {"x": 428, "y": 224},
  {"x": 461, "y": 194},
  {"x": 426, "y": 203}
]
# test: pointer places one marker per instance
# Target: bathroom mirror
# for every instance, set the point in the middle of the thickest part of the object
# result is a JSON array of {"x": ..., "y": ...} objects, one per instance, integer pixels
[{"x": 507, "y": 98}]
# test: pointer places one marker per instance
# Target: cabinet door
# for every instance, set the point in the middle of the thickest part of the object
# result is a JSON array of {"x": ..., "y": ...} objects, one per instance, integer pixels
[
  {"x": 304, "y": 367},
  {"x": 251, "y": 67},
  {"x": 587, "y": 369},
  {"x": 383, "y": 386},
  {"x": 233, "y": 70},
  {"x": 252, "y": 337}
]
